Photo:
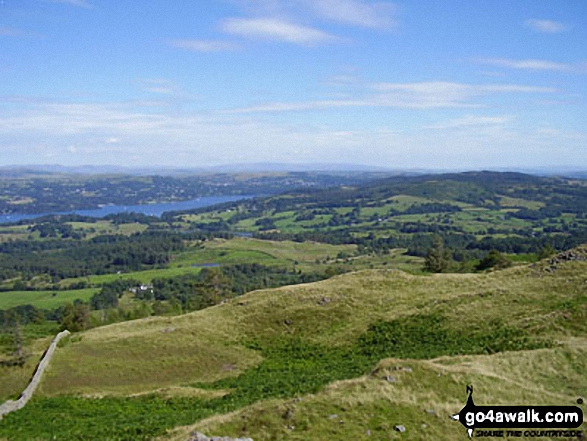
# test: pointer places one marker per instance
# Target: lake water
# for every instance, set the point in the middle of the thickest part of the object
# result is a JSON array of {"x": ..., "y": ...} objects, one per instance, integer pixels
[{"x": 148, "y": 209}]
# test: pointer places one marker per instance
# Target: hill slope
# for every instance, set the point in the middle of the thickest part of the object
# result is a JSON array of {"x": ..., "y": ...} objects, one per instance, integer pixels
[{"x": 519, "y": 335}]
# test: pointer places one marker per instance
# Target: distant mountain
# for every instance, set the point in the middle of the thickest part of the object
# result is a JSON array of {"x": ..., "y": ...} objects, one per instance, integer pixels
[
  {"x": 226, "y": 168},
  {"x": 297, "y": 167},
  {"x": 264, "y": 167}
]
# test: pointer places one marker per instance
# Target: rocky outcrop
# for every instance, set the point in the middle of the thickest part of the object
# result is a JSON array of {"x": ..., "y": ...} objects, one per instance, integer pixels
[
  {"x": 27, "y": 394},
  {"x": 577, "y": 254},
  {"x": 200, "y": 437}
]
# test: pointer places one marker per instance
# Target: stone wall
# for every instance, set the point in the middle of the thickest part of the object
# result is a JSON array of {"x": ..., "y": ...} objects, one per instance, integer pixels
[{"x": 10, "y": 405}]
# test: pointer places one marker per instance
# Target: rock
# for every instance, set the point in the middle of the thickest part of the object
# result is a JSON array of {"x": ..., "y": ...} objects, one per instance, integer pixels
[
  {"x": 399, "y": 428},
  {"x": 324, "y": 301},
  {"x": 170, "y": 329},
  {"x": 288, "y": 322},
  {"x": 333, "y": 416},
  {"x": 196, "y": 436},
  {"x": 431, "y": 412},
  {"x": 368, "y": 432},
  {"x": 288, "y": 415},
  {"x": 566, "y": 256},
  {"x": 390, "y": 379},
  {"x": 403, "y": 368}
]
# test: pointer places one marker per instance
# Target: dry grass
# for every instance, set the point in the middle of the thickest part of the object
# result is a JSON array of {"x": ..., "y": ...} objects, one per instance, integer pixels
[
  {"x": 13, "y": 380},
  {"x": 148, "y": 354},
  {"x": 143, "y": 355}
]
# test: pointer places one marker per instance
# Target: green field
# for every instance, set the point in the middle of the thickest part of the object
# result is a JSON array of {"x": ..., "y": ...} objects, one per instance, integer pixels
[
  {"x": 44, "y": 299},
  {"x": 93, "y": 229}
]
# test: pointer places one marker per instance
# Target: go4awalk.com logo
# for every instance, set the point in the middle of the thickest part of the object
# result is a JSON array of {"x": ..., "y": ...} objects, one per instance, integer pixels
[{"x": 520, "y": 421}]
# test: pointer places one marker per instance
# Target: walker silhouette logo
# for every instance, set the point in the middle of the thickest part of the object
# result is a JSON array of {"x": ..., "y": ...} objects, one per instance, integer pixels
[{"x": 519, "y": 417}]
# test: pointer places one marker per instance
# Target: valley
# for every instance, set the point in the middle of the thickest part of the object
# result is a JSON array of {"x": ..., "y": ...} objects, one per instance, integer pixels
[{"x": 305, "y": 315}]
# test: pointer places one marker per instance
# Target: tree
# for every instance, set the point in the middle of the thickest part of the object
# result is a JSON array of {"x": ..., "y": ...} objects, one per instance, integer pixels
[
  {"x": 12, "y": 323},
  {"x": 75, "y": 318},
  {"x": 546, "y": 252},
  {"x": 493, "y": 259},
  {"x": 438, "y": 257}
]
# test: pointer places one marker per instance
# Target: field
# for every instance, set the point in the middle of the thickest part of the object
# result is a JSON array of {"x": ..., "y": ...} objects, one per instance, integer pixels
[
  {"x": 44, "y": 299},
  {"x": 93, "y": 229},
  {"x": 519, "y": 335},
  {"x": 307, "y": 256}
]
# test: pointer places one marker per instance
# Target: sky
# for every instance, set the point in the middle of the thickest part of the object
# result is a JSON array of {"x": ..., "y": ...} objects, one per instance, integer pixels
[{"x": 436, "y": 84}]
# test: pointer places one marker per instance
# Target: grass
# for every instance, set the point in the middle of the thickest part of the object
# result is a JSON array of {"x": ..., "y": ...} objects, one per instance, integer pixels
[
  {"x": 145, "y": 276},
  {"x": 284, "y": 251},
  {"x": 234, "y": 251},
  {"x": 323, "y": 341},
  {"x": 44, "y": 299},
  {"x": 472, "y": 219},
  {"x": 143, "y": 355},
  {"x": 328, "y": 313},
  {"x": 421, "y": 397},
  {"x": 100, "y": 227},
  {"x": 13, "y": 380},
  {"x": 13, "y": 232}
]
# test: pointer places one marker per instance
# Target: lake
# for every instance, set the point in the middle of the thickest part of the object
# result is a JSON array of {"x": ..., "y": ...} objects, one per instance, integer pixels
[{"x": 148, "y": 209}]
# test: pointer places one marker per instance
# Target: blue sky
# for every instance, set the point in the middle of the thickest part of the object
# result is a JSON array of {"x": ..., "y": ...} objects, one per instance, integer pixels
[{"x": 405, "y": 84}]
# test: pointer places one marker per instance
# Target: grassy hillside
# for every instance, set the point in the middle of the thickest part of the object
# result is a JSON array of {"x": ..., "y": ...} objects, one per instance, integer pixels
[
  {"x": 420, "y": 396},
  {"x": 519, "y": 335}
]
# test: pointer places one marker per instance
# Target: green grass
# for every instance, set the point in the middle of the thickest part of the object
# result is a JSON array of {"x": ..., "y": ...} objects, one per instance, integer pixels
[
  {"x": 139, "y": 418},
  {"x": 99, "y": 227},
  {"x": 291, "y": 367},
  {"x": 44, "y": 299},
  {"x": 354, "y": 303},
  {"x": 323, "y": 341},
  {"x": 348, "y": 409},
  {"x": 145, "y": 276},
  {"x": 285, "y": 253},
  {"x": 222, "y": 256},
  {"x": 13, "y": 380}
]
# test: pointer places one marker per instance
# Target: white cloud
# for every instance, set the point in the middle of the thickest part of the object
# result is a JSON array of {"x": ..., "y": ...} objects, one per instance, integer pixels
[
  {"x": 47, "y": 130},
  {"x": 277, "y": 30},
  {"x": 471, "y": 121},
  {"x": 159, "y": 86},
  {"x": 308, "y": 105},
  {"x": 78, "y": 3},
  {"x": 529, "y": 64},
  {"x": 546, "y": 26},
  {"x": 424, "y": 95},
  {"x": 204, "y": 45},
  {"x": 377, "y": 15},
  {"x": 443, "y": 94}
]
